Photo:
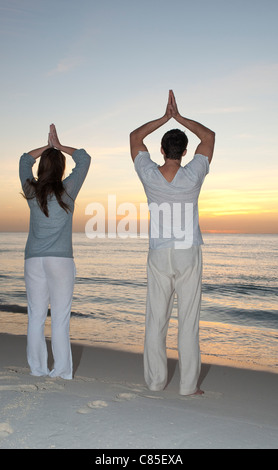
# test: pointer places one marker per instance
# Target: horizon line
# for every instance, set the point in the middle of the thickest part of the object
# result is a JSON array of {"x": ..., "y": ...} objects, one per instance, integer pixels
[{"x": 129, "y": 235}]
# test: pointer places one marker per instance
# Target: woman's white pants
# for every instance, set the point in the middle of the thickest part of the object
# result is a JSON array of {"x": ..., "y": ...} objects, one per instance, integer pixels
[
  {"x": 173, "y": 271},
  {"x": 49, "y": 280}
]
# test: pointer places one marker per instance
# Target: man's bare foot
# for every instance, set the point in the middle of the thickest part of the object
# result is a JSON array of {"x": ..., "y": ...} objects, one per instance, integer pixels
[{"x": 198, "y": 392}]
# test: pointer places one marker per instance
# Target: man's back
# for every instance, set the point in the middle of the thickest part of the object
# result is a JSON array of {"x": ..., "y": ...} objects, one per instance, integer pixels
[{"x": 173, "y": 204}]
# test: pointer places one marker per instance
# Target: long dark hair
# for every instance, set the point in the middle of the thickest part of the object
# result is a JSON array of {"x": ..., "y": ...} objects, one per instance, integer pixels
[{"x": 50, "y": 173}]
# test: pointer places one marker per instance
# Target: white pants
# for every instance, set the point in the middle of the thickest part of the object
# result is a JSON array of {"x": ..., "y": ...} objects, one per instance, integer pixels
[
  {"x": 172, "y": 270},
  {"x": 49, "y": 280}
]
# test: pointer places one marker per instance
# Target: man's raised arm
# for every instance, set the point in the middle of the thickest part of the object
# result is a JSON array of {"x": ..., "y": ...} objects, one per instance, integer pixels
[
  {"x": 138, "y": 135},
  {"x": 206, "y": 136}
]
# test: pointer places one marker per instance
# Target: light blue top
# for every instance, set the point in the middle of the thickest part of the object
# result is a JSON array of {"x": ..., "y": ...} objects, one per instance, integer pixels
[
  {"x": 174, "y": 217},
  {"x": 52, "y": 236}
]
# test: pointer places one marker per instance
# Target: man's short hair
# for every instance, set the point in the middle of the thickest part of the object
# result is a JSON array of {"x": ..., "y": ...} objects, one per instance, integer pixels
[{"x": 174, "y": 143}]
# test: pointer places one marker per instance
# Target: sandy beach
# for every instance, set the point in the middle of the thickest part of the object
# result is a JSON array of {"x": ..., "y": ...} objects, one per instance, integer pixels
[{"x": 107, "y": 405}]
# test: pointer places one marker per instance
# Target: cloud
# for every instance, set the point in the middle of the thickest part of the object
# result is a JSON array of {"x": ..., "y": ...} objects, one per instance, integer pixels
[
  {"x": 224, "y": 202},
  {"x": 254, "y": 81},
  {"x": 227, "y": 110},
  {"x": 65, "y": 65}
]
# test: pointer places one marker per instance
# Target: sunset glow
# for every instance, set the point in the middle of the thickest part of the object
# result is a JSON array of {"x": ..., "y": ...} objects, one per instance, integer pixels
[{"x": 104, "y": 71}]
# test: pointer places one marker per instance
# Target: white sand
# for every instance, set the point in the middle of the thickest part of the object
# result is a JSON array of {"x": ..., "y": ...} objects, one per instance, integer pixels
[{"x": 107, "y": 405}]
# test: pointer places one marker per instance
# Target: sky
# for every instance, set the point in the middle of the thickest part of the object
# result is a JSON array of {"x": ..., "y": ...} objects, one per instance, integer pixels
[{"x": 98, "y": 70}]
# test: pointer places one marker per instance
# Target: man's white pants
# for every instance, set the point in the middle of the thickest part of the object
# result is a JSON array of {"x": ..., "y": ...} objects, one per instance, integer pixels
[
  {"x": 49, "y": 280},
  {"x": 173, "y": 270}
]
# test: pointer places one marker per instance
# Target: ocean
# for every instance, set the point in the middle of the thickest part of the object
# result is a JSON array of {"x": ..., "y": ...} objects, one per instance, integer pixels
[{"x": 239, "y": 314}]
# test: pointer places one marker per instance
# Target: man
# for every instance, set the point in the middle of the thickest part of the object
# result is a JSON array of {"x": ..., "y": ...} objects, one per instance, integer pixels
[{"x": 175, "y": 257}]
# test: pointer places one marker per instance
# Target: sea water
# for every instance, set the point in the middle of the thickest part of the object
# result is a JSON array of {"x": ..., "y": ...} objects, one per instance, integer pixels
[{"x": 239, "y": 313}]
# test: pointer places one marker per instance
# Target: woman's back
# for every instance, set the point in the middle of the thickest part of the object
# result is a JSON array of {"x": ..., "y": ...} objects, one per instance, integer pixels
[{"x": 52, "y": 235}]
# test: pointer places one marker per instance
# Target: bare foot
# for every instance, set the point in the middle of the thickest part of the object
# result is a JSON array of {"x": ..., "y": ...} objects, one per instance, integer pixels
[{"x": 198, "y": 392}]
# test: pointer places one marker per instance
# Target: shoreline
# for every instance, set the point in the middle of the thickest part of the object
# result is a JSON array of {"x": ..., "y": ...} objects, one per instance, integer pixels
[
  {"x": 88, "y": 331},
  {"x": 107, "y": 405}
]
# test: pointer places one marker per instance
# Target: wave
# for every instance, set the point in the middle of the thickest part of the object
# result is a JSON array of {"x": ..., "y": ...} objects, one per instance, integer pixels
[
  {"x": 14, "y": 308},
  {"x": 218, "y": 288},
  {"x": 110, "y": 281},
  {"x": 241, "y": 316},
  {"x": 19, "y": 309},
  {"x": 237, "y": 288},
  {"x": 229, "y": 315}
]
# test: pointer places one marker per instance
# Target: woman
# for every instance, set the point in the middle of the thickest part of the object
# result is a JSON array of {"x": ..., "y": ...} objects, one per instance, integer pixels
[{"x": 49, "y": 268}]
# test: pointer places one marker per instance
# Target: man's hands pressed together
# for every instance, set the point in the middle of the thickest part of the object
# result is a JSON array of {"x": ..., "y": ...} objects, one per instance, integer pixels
[{"x": 206, "y": 136}]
